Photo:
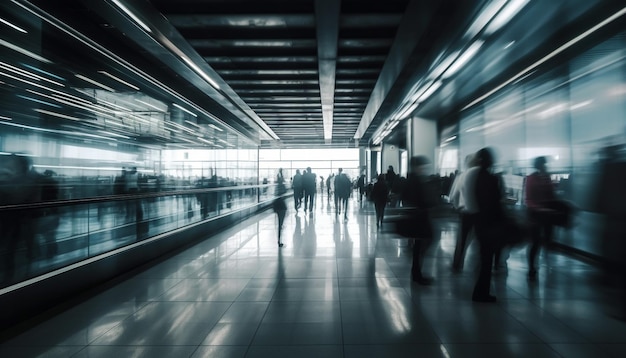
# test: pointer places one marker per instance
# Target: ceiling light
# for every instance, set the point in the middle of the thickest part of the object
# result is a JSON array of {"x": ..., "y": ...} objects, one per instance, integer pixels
[
  {"x": 119, "y": 80},
  {"x": 24, "y": 51},
  {"x": 6, "y": 118},
  {"x": 200, "y": 72},
  {"x": 462, "y": 60},
  {"x": 57, "y": 114},
  {"x": 216, "y": 127},
  {"x": 25, "y": 73},
  {"x": 184, "y": 109},
  {"x": 93, "y": 82},
  {"x": 505, "y": 15},
  {"x": 192, "y": 123},
  {"x": 42, "y": 71},
  {"x": 485, "y": 16},
  {"x": 151, "y": 105},
  {"x": 131, "y": 15},
  {"x": 15, "y": 27},
  {"x": 435, "y": 86},
  {"x": 38, "y": 101}
]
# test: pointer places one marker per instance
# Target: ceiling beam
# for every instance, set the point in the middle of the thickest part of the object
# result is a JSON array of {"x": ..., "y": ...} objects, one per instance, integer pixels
[{"x": 327, "y": 28}]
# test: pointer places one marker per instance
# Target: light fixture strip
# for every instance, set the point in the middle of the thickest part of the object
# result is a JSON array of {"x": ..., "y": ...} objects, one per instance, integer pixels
[
  {"x": 119, "y": 80},
  {"x": 184, "y": 109},
  {"x": 25, "y": 73},
  {"x": 132, "y": 15},
  {"x": 94, "y": 82},
  {"x": 15, "y": 27},
  {"x": 24, "y": 51}
]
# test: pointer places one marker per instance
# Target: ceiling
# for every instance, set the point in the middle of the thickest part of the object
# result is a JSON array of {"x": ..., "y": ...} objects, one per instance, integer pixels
[{"x": 294, "y": 73}]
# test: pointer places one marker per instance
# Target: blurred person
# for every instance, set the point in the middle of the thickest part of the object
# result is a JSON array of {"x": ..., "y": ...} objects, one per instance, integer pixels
[
  {"x": 490, "y": 214},
  {"x": 21, "y": 186},
  {"x": 463, "y": 200},
  {"x": 321, "y": 186},
  {"x": 329, "y": 180},
  {"x": 297, "y": 190},
  {"x": 343, "y": 188},
  {"x": 417, "y": 198},
  {"x": 361, "y": 185},
  {"x": 49, "y": 220},
  {"x": 380, "y": 196},
  {"x": 610, "y": 201},
  {"x": 390, "y": 178},
  {"x": 309, "y": 184},
  {"x": 279, "y": 206},
  {"x": 539, "y": 194}
]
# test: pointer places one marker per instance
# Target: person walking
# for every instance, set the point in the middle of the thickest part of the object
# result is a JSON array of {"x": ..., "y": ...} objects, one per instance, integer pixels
[
  {"x": 488, "y": 218},
  {"x": 279, "y": 206},
  {"x": 464, "y": 201},
  {"x": 342, "y": 192},
  {"x": 309, "y": 184},
  {"x": 539, "y": 193},
  {"x": 380, "y": 196},
  {"x": 297, "y": 190},
  {"x": 417, "y": 198}
]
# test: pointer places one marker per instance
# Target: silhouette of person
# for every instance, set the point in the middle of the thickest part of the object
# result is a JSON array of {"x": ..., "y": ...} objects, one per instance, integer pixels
[
  {"x": 309, "y": 185},
  {"x": 539, "y": 193},
  {"x": 342, "y": 192},
  {"x": 490, "y": 214},
  {"x": 416, "y": 198},
  {"x": 463, "y": 199},
  {"x": 297, "y": 190},
  {"x": 280, "y": 208},
  {"x": 380, "y": 196}
]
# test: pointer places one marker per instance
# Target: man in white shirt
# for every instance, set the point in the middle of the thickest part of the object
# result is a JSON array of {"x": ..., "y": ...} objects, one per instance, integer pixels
[{"x": 463, "y": 199}]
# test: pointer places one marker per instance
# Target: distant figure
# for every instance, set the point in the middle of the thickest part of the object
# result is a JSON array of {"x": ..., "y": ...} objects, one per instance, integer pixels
[
  {"x": 539, "y": 194},
  {"x": 490, "y": 215},
  {"x": 361, "y": 185},
  {"x": 342, "y": 192},
  {"x": 329, "y": 181},
  {"x": 309, "y": 184},
  {"x": 297, "y": 190},
  {"x": 49, "y": 220},
  {"x": 417, "y": 198},
  {"x": 321, "y": 185},
  {"x": 463, "y": 199},
  {"x": 279, "y": 206},
  {"x": 380, "y": 196}
]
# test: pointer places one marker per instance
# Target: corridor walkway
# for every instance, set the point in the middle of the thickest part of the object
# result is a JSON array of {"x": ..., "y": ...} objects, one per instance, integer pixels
[{"x": 337, "y": 289}]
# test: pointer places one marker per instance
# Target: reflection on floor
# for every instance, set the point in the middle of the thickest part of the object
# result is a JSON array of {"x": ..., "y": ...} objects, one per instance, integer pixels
[{"x": 337, "y": 289}]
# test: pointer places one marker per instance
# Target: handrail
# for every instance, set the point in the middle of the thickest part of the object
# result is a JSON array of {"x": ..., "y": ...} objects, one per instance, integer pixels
[{"x": 124, "y": 197}]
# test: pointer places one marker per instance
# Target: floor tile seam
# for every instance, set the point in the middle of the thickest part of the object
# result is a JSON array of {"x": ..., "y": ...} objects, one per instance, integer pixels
[
  {"x": 558, "y": 319},
  {"x": 256, "y": 331},
  {"x": 78, "y": 352},
  {"x": 336, "y": 278},
  {"x": 536, "y": 335}
]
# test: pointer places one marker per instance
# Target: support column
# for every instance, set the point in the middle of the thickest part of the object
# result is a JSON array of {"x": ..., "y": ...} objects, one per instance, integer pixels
[{"x": 423, "y": 138}]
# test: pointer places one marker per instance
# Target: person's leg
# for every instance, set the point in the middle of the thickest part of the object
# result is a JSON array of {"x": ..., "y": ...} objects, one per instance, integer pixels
[
  {"x": 481, "y": 289},
  {"x": 419, "y": 248},
  {"x": 535, "y": 235},
  {"x": 281, "y": 221},
  {"x": 459, "y": 250},
  {"x": 379, "y": 213}
]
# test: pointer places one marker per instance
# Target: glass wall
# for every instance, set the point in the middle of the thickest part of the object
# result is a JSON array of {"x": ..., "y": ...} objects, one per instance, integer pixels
[
  {"x": 323, "y": 162},
  {"x": 75, "y": 123},
  {"x": 574, "y": 115}
]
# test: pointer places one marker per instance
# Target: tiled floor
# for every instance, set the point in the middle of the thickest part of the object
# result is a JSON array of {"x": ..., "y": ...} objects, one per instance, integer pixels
[{"x": 337, "y": 289}]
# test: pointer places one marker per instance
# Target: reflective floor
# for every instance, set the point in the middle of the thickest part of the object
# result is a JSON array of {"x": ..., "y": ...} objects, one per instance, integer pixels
[{"x": 337, "y": 289}]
